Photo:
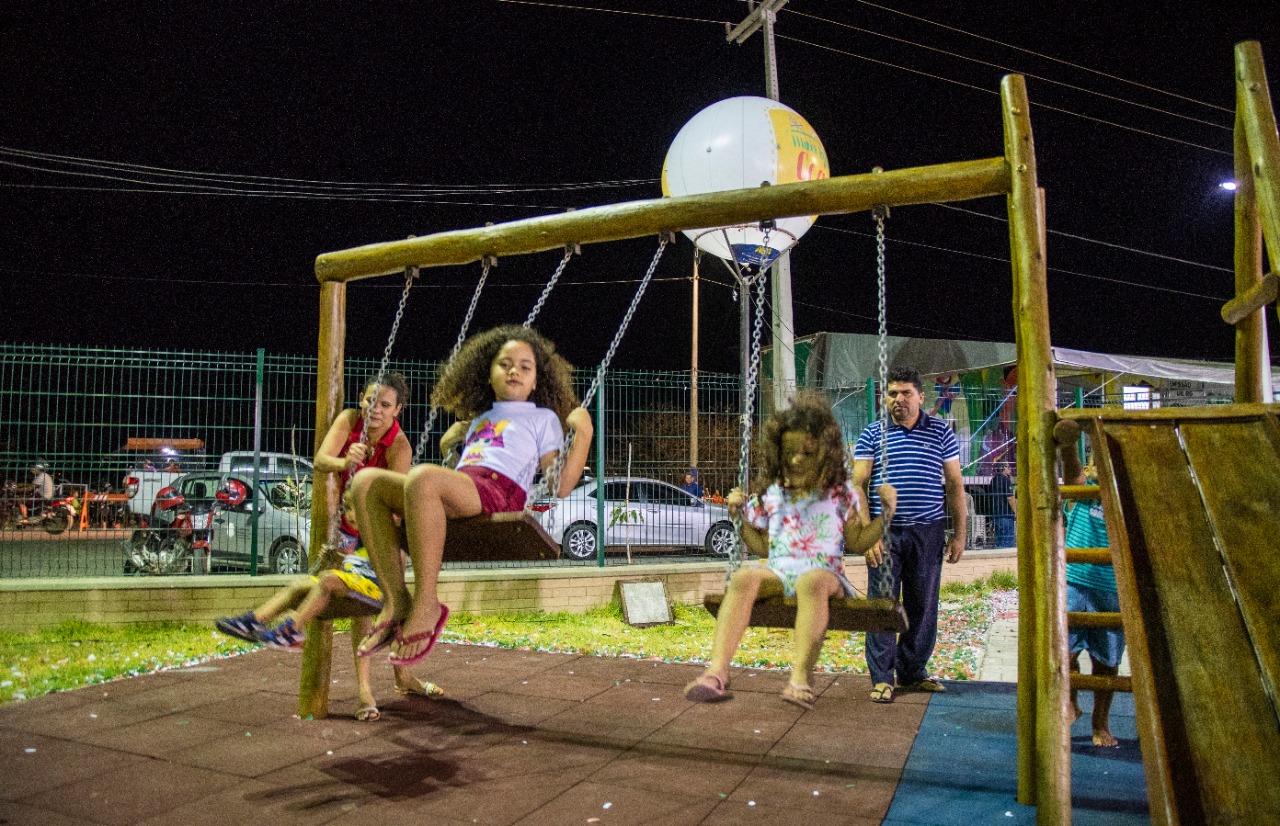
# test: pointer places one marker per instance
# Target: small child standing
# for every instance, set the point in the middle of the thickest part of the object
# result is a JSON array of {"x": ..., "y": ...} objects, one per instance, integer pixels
[
  {"x": 308, "y": 597},
  {"x": 804, "y": 517}
]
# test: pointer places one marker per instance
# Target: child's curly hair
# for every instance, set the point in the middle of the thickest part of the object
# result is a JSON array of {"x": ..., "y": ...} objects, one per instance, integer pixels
[
  {"x": 464, "y": 389},
  {"x": 810, "y": 414}
]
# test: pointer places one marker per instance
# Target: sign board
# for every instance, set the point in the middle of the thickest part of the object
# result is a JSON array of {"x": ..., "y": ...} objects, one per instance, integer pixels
[{"x": 644, "y": 602}]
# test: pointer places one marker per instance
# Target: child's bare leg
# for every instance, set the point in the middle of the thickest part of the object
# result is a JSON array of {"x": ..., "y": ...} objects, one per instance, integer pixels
[
  {"x": 432, "y": 495},
  {"x": 1076, "y": 711},
  {"x": 360, "y": 627},
  {"x": 321, "y": 591},
  {"x": 284, "y": 599},
  {"x": 746, "y": 585},
  {"x": 814, "y": 590},
  {"x": 1102, "y": 735},
  {"x": 378, "y": 494}
]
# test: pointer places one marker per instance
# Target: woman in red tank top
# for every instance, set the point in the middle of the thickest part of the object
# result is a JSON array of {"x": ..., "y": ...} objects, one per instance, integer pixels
[{"x": 346, "y": 450}]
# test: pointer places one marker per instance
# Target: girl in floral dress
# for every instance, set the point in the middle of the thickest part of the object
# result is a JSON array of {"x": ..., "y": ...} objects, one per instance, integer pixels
[{"x": 804, "y": 516}]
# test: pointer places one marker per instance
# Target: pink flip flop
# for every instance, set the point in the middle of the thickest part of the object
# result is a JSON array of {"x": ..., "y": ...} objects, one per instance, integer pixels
[{"x": 430, "y": 636}]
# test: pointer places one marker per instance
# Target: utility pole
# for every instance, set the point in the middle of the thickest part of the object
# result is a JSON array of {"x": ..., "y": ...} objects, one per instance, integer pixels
[
  {"x": 693, "y": 372},
  {"x": 763, "y": 15}
]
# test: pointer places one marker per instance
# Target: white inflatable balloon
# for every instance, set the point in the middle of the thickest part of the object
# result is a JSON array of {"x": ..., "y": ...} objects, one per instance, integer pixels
[{"x": 741, "y": 143}]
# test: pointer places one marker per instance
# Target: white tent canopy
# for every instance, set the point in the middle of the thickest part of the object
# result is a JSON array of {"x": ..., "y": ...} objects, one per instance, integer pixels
[{"x": 847, "y": 360}]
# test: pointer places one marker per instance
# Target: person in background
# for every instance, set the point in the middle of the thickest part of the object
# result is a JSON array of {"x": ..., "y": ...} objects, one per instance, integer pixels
[
  {"x": 691, "y": 485},
  {"x": 1003, "y": 506},
  {"x": 1089, "y": 587},
  {"x": 41, "y": 491},
  {"x": 924, "y": 467}
]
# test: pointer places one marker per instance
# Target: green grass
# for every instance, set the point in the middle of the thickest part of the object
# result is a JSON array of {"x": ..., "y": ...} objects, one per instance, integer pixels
[{"x": 78, "y": 654}]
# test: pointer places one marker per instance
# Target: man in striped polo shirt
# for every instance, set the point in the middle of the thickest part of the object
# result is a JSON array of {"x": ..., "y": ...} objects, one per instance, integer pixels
[{"x": 924, "y": 466}]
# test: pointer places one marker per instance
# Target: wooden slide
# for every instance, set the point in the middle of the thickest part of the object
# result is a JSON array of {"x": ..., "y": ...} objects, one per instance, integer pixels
[{"x": 1192, "y": 501}]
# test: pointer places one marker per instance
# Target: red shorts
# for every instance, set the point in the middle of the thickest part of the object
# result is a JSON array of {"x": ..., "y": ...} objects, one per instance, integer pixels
[{"x": 498, "y": 494}]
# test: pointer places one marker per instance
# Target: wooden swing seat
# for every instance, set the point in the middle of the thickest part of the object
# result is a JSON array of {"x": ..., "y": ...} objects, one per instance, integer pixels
[
  {"x": 847, "y": 613},
  {"x": 499, "y": 537}
]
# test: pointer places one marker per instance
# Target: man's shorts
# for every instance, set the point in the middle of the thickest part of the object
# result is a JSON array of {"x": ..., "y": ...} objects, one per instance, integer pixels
[
  {"x": 1105, "y": 645},
  {"x": 498, "y": 494}
]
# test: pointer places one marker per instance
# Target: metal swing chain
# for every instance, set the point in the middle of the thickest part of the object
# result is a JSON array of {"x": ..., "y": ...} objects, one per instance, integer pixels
[
  {"x": 546, "y": 291},
  {"x": 882, "y": 586},
  {"x": 433, "y": 412},
  {"x": 551, "y": 479},
  {"x": 748, "y": 411}
]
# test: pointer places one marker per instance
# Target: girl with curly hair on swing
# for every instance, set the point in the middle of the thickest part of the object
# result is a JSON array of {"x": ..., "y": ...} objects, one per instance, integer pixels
[
  {"x": 804, "y": 516},
  {"x": 513, "y": 395}
]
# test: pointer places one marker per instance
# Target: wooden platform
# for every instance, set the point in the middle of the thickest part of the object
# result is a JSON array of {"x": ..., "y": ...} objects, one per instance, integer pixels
[
  {"x": 1192, "y": 499},
  {"x": 847, "y": 614}
]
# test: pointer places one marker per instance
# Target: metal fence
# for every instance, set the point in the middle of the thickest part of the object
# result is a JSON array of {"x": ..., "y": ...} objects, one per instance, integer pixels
[{"x": 94, "y": 417}]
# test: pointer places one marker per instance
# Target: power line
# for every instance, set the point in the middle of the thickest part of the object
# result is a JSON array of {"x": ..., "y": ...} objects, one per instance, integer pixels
[
  {"x": 1044, "y": 56},
  {"x": 1002, "y": 68},
  {"x": 999, "y": 259},
  {"x": 1075, "y": 237},
  {"x": 984, "y": 90}
]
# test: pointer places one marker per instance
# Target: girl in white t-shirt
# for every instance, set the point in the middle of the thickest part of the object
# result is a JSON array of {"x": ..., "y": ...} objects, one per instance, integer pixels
[
  {"x": 805, "y": 516},
  {"x": 517, "y": 395}
]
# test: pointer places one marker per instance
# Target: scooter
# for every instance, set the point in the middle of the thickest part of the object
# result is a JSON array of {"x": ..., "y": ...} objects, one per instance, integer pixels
[{"x": 180, "y": 547}]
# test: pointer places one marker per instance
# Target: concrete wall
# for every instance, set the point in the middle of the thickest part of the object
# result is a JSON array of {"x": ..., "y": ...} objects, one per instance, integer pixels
[{"x": 29, "y": 604}]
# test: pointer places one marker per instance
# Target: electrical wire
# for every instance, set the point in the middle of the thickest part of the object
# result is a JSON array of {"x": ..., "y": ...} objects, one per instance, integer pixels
[
  {"x": 1003, "y": 68},
  {"x": 1045, "y": 106}
]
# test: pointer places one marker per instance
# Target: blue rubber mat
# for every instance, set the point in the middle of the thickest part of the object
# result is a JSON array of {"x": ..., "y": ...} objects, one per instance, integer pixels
[{"x": 962, "y": 769}]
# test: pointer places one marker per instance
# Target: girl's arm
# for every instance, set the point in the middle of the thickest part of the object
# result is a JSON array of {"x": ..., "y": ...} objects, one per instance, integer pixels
[
  {"x": 575, "y": 462},
  {"x": 756, "y": 539},
  {"x": 862, "y": 534},
  {"x": 327, "y": 459},
  {"x": 451, "y": 441}
]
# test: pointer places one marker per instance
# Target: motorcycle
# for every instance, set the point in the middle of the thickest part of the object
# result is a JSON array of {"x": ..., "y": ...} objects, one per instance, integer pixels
[
  {"x": 60, "y": 514},
  {"x": 180, "y": 541},
  {"x": 56, "y": 516}
]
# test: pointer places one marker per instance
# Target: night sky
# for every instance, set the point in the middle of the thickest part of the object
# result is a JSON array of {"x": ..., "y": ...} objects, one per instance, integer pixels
[{"x": 169, "y": 173}]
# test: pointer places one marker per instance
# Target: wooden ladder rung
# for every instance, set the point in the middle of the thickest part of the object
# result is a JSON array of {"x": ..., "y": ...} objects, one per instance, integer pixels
[
  {"x": 1100, "y": 682},
  {"x": 1091, "y": 556},
  {"x": 1094, "y": 619},
  {"x": 1076, "y": 492}
]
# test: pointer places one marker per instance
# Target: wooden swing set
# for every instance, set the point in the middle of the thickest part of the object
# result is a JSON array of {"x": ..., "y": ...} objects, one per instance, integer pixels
[{"x": 1176, "y": 787}]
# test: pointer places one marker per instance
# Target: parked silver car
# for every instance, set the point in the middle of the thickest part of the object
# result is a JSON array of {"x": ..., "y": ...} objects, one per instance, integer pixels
[
  {"x": 283, "y": 505},
  {"x": 637, "y": 512}
]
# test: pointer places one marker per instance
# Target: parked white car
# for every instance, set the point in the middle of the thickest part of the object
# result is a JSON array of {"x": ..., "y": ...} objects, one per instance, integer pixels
[{"x": 637, "y": 512}]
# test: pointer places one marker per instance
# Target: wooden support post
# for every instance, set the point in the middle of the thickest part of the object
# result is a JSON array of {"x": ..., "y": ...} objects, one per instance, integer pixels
[
  {"x": 1042, "y": 713},
  {"x": 1253, "y": 106},
  {"x": 1253, "y": 366},
  {"x": 317, "y": 652}
]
